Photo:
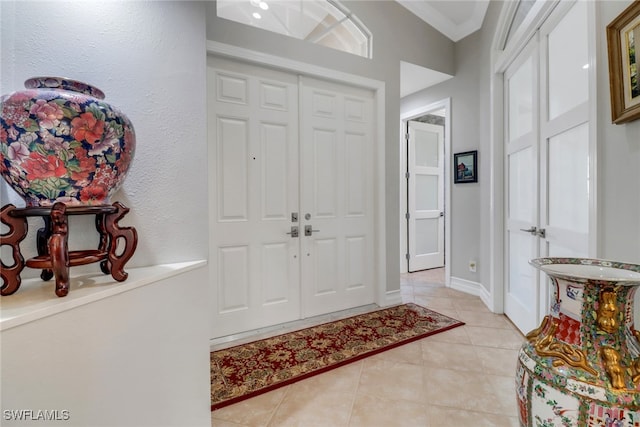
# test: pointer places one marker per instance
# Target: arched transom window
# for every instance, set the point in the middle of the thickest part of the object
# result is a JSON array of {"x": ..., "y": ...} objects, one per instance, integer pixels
[{"x": 324, "y": 22}]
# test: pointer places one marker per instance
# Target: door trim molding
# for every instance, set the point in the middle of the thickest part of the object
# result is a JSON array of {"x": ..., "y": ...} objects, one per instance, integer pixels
[
  {"x": 378, "y": 87},
  {"x": 404, "y": 118}
]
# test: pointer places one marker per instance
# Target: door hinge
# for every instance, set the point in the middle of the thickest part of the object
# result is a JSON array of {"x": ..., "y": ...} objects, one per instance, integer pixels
[
  {"x": 407, "y": 257},
  {"x": 407, "y": 215},
  {"x": 407, "y": 175},
  {"x": 406, "y": 136}
]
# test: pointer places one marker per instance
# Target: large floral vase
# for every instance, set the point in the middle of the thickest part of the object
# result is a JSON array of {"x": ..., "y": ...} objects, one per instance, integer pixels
[
  {"x": 60, "y": 141},
  {"x": 581, "y": 366}
]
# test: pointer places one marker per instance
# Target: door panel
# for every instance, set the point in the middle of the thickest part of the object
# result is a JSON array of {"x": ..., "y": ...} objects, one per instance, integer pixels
[
  {"x": 426, "y": 196},
  {"x": 254, "y": 171},
  {"x": 521, "y": 303},
  {"x": 336, "y": 196}
]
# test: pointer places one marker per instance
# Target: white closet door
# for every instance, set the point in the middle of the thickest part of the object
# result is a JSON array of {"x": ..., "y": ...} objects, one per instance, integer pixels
[
  {"x": 521, "y": 303},
  {"x": 337, "y": 196},
  {"x": 253, "y": 134},
  {"x": 549, "y": 185}
]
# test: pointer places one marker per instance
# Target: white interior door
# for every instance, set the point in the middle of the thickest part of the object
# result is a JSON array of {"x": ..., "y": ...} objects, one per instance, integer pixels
[
  {"x": 521, "y": 303},
  {"x": 253, "y": 131},
  {"x": 547, "y": 148},
  {"x": 337, "y": 196},
  {"x": 426, "y": 196}
]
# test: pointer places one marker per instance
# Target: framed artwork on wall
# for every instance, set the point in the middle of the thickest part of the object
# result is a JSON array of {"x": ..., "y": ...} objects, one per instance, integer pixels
[
  {"x": 466, "y": 167},
  {"x": 623, "y": 42}
]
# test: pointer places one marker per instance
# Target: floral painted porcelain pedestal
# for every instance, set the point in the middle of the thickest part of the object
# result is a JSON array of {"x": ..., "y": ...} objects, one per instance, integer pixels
[{"x": 581, "y": 366}]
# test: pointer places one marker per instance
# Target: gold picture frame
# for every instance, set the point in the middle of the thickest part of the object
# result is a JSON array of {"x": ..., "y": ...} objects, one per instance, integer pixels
[{"x": 623, "y": 42}]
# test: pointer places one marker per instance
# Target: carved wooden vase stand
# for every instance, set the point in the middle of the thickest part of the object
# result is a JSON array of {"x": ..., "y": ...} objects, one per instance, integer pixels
[{"x": 54, "y": 256}]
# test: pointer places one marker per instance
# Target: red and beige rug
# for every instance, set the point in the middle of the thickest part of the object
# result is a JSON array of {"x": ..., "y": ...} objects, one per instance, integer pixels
[{"x": 247, "y": 370}]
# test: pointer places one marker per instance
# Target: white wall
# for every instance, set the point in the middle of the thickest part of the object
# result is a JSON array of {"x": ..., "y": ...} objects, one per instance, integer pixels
[
  {"x": 149, "y": 59},
  {"x": 137, "y": 358},
  {"x": 618, "y": 161},
  {"x": 469, "y": 121}
]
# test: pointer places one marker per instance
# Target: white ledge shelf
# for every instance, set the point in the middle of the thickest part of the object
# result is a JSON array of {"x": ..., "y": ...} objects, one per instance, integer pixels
[{"x": 36, "y": 298}]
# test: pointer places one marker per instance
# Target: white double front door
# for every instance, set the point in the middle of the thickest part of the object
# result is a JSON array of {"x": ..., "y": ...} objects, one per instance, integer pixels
[{"x": 291, "y": 196}]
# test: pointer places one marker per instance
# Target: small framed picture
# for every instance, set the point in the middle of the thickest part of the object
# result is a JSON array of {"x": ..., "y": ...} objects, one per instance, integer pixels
[{"x": 466, "y": 167}]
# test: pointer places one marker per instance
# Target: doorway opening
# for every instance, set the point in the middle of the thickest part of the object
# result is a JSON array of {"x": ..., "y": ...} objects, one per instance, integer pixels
[{"x": 425, "y": 190}]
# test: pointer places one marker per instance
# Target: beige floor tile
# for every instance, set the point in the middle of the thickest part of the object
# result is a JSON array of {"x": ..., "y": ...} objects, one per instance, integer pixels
[
  {"x": 469, "y": 304},
  {"x": 221, "y": 423},
  {"x": 254, "y": 412},
  {"x": 470, "y": 391},
  {"x": 305, "y": 407},
  {"x": 438, "y": 304},
  {"x": 461, "y": 357},
  {"x": 391, "y": 380},
  {"x": 498, "y": 361},
  {"x": 455, "y": 417},
  {"x": 495, "y": 337},
  {"x": 457, "y": 335},
  {"x": 373, "y": 411},
  {"x": 407, "y": 353},
  {"x": 505, "y": 391},
  {"x": 487, "y": 320},
  {"x": 453, "y": 293}
]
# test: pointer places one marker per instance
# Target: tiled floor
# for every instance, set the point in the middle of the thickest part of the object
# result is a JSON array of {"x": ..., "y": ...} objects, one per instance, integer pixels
[{"x": 462, "y": 377}]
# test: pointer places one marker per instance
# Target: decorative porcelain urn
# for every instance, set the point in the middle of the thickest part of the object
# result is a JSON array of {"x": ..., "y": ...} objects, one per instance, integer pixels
[
  {"x": 60, "y": 141},
  {"x": 581, "y": 366}
]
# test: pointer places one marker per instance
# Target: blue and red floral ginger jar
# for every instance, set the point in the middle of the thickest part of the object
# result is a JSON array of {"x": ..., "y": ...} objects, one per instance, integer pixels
[{"x": 61, "y": 142}]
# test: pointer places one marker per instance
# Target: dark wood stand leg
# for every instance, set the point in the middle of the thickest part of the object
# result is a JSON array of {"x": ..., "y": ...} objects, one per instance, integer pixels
[
  {"x": 42, "y": 239},
  {"x": 103, "y": 246},
  {"x": 59, "y": 248},
  {"x": 115, "y": 262},
  {"x": 17, "y": 232}
]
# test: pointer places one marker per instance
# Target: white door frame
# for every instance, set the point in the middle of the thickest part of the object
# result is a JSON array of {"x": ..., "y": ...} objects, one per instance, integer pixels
[
  {"x": 404, "y": 118},
  {"x": 383, "y": 297}
]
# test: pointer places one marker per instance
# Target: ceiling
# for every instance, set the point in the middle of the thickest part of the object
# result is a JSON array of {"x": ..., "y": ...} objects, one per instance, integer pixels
[{"x": 456, "y": 19}]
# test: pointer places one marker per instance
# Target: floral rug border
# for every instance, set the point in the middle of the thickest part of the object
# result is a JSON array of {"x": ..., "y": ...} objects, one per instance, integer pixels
[{"x": 261, "y": 376}]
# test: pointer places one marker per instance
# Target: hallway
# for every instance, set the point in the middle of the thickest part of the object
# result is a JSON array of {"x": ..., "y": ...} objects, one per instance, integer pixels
[{"x": 462, "y": 377}]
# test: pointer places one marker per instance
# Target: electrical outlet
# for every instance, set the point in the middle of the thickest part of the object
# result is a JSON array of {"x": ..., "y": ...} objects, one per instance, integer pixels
[{"x": 472, "y": 266}]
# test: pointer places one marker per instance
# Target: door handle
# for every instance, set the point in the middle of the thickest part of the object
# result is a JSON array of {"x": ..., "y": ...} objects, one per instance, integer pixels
[
  {"x": 308, "y": 230},
  {"x": 532, "y": 230},
  {"x": 294, "y": 231}
]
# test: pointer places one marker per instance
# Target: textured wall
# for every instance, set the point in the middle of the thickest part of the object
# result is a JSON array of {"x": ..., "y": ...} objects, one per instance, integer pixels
[{"x": 149, "y": 59}]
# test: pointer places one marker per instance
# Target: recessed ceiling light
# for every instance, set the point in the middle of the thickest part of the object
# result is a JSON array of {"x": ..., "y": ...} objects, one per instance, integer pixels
[
  {"x": 263, "y": 5},
  {"x": 256, "y": 15}
]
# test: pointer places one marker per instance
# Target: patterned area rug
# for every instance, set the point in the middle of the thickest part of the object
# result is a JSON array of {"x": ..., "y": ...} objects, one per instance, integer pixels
[{"x": 247, "y": 370}]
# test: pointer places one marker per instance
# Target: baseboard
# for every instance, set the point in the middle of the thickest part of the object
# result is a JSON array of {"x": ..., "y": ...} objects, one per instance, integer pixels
[
  {"x": 473, "y": 288},
  {"x": 466, "y": 286},
  {"x": 391, "y": 298}
]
